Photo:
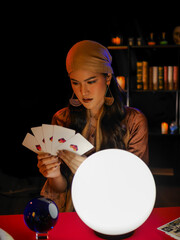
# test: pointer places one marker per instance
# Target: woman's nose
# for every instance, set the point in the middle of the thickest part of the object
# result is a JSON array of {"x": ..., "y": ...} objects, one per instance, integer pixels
[{"x": 84, "y": 90}]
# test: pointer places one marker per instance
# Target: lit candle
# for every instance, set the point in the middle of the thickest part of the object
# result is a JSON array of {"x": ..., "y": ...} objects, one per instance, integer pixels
[
  {"x": 121, "y": 81},
  {"x": 164, "y": 128},
  {"x": 118, "y": 40}
]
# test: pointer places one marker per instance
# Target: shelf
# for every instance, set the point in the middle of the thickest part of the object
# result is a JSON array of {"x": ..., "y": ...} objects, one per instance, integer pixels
[
  {"x": 152, "y": 134},
  {"x": 154, "y": 91},
  {"x": 162, "y": 171},
  {"x": 142, "y": 47},
  {"x": 157, "y": 46},
  {"x": 117, "y": 47}
]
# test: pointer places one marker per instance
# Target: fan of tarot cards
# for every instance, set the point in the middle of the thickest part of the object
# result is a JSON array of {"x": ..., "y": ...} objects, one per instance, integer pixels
[{"x": 51, "y": 138}]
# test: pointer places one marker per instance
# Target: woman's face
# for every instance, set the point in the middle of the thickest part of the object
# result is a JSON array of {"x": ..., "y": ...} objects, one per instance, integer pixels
[{"x": 90, "y": 88}]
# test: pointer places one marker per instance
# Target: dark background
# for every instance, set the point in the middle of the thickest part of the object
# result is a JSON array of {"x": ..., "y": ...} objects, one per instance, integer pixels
[{"x": 35, "y": 83}]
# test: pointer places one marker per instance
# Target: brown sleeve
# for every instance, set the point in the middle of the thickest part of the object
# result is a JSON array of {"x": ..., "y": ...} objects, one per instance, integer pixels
[
  {"x": 61, "y": 117},
  {"x": 138, "y": 134}
]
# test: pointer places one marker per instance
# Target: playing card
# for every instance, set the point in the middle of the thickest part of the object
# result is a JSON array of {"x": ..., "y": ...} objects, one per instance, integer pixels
[
  {"x": 77, "y": 144},
  {"x": 51, "y": 138},
  {"x": 31, "y": 143},
  {"x": 38, "y": 133},
  {"x": 48, "y": 136},
  {"x": 172, "y": 228},
  {"x": 60, "y": 136}
]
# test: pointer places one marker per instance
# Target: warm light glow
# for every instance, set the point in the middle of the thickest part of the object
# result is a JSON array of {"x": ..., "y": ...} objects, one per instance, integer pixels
[
  {"x": 121, "y": 81},
  {"x": 116, "y": 40},
  {"x": 164, "y": 128}
]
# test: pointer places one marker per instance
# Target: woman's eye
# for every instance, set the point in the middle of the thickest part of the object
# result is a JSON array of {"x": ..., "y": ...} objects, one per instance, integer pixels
[
  {"x": 91, "y": 82},
  {"x": 75, "y": 83}
]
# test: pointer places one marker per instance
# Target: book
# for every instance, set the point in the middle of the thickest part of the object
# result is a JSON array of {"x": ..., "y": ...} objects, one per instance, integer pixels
[
  {"x": 175, "y": 77},
  {"x": 150, "y": 78},
  {"x": 165, "y": 78},
  {"x": 160, "y": 77},
  {"x": 139, "y": 76},
  {"x": 170, "y": 77},
  {"x": 155, "y": 77},
  {"x": 145, "y": 75},
  {"x": 171, "y": 228}
]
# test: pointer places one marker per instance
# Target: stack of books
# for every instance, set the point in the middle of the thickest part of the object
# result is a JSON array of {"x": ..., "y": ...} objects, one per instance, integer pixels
[{"x": 156, "y": 77}]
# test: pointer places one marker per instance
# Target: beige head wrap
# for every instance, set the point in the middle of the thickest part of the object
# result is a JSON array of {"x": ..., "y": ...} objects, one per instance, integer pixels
[{"x": 89, "y": 55}]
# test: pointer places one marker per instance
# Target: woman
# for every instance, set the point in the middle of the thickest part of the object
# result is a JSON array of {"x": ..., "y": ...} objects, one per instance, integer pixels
[{"x": 96, "y": 110}]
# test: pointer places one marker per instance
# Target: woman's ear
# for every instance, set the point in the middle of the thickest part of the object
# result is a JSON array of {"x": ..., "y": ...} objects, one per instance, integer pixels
[{"x": 108, "y": 78}]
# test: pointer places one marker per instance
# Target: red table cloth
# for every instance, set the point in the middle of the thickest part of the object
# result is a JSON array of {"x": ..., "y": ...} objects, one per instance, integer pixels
[{"x": 70, "y": 227}]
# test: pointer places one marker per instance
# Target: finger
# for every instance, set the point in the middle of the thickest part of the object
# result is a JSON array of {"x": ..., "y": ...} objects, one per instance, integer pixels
[
  {"x": 49, "y": 166},
  {"x": 47, "y": 161},
  {"x": 43, "y": 155},
  {"x": 71, "y": 159},
  {"x": 66, "y": 155},
  {"x": 48, "y": 172},
  {"x": 69, "y": 153},
  {"x": 65, "y": 159}
]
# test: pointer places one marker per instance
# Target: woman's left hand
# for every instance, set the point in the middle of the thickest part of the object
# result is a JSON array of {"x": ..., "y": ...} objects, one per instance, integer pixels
[{"x": 72, "y": 160}]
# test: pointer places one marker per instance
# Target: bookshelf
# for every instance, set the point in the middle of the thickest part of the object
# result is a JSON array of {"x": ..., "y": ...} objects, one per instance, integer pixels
[{"x": 159, "y": 105}]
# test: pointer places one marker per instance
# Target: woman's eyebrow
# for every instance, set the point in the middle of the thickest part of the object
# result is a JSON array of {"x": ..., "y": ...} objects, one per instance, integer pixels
[{"x": 90, "y": 78}]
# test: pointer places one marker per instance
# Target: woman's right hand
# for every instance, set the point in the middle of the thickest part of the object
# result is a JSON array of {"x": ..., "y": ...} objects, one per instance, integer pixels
[{"x": 49, "y": 166}]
